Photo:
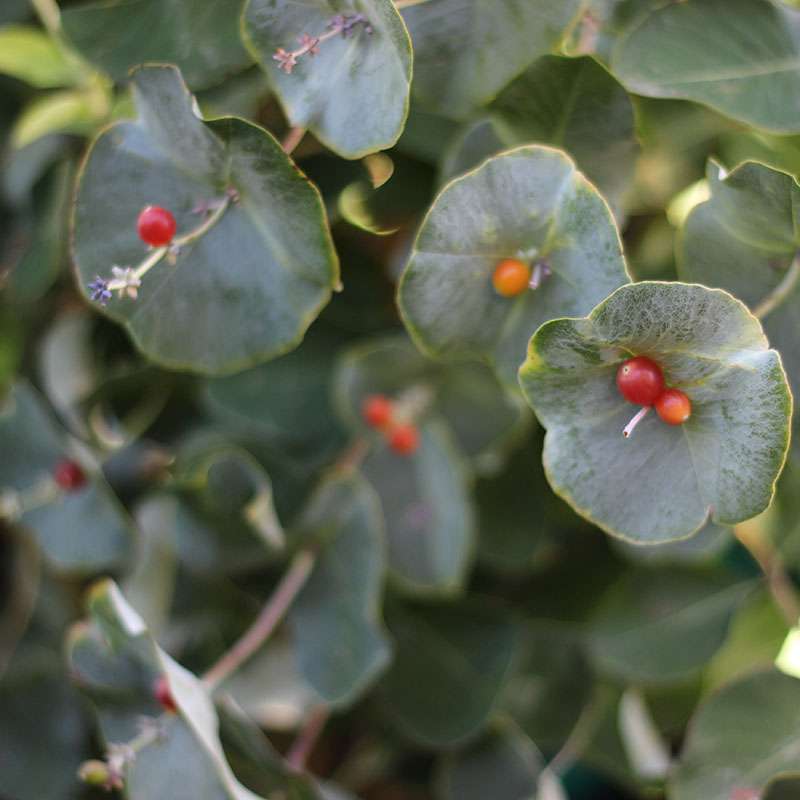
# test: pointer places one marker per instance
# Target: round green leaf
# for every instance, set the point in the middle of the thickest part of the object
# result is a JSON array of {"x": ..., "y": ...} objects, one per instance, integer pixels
[
  {"x": 529, "y": 203},
  {"x": 466, "y": 51},
  {"x": 744, "y": 239},
  {"x": 430, "y": 526},
  {"x": 504, "y": 765},
  {"x": 741, "y": 57},
  {"x": 450, "y": 664},
  {"x": 267, "y": 264},
  {"x": 82, "y": 531},
  {"x": 339, "y": 640},
  {"x": 664, "y": 481},
  {"x": 201, "y": 38},
  {"x": 353, "y": 94},
  {"x": 483, "y": 417},
  {"x": 662, "y": 625},
  {"x": 743, "y": 736}
]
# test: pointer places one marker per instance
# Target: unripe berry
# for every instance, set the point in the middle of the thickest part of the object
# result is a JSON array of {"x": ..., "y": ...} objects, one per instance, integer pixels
[
  {"x": 156, "y": 226},
  {"x": 163, "y": 694},
  {"x": 95, "y": 773},
  {"x": 511, "y": 277},
  {"x": 377, "y": 411},
  {"x": 404, "y": 439},
  {"x": 673, "y": 406},
  {"x": 640, "y": 380},
  {"x": 69, "y": 475}
]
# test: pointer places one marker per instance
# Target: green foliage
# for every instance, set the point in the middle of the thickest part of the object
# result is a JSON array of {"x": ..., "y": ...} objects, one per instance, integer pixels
[{"x": 269, "y": 531}]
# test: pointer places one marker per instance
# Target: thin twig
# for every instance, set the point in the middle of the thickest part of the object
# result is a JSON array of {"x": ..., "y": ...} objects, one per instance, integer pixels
[
  {"x": 304, "y": 743},
  {"x": 780, "y": 292},
  {"x": 780, "y": 585},
  {"x": 292, "y": 139},
  {"x": 271, "y": 614}
]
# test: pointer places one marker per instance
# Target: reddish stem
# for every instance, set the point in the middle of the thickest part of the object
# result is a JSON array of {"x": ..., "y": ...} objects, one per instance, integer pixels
[
  {"x": 638, "y": 417},
  {"x": 304, "y": 743}
]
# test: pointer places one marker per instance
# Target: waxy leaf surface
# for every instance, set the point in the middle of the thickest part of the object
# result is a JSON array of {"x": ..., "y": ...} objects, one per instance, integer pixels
[
  {"x": 529, "y": 203},
  {"x": 664, "y": 481},
  {"x": 267, "y": 263}
]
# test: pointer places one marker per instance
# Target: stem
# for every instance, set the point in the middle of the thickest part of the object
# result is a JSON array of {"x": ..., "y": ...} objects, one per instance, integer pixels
[
  {"x": 49, "y": 14},
  {"x": 265, "y": 623},
  {"x": 638, "y": 417},
  {"x": 398, "y": 4},
  {"x": 779, "y": 583},
  {"x": 780, "y": 292},
  {"x": 292, "y": 139},
  {"x": 304, "y": 743}
]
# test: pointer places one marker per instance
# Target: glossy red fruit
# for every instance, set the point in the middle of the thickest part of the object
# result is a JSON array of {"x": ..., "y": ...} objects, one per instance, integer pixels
[
  {"x": 640, "y": 381},
  {"x": 673, "y": 406},
  {"x": 163, "y": 694},
  {"x": 404, "y": 439},
  {"x": 377, "y": 411},
  {"x": 511, "y": 277},
  {"x": 69, "y": 475},
  {"x": 156, "y": 226}
]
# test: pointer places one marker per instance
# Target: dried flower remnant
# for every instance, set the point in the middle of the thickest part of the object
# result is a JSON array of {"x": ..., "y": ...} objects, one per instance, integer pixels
[{"x": 344, "y": 24}]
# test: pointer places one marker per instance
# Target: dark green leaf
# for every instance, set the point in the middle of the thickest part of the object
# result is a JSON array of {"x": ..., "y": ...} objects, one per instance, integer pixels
[
  {"x": 738, "y": 56},
  {"x": 202, "y": 39},
  {"x": 451, "y": 662},
  {"x": 274, "y": 280}
]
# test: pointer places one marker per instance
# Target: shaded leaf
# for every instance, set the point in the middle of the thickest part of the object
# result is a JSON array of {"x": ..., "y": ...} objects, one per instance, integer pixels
[
  {"x": 528, "y": 203},
  {"x": 273, "y": 282},
  {"x": 450, "y": 664},
  {"x": 338, "y": 636},
  {"x": 353, "y": 94},
  {"x": 81, "y": 531},
  {"x": 428, "y": 512},
  {"x": 722, "y": 463},
  {"x": 738, "y": 56},
  {"x": 722, "y": 755},
  {"x": 466, "y": 51},
  {"x": 201, "y": 39}
]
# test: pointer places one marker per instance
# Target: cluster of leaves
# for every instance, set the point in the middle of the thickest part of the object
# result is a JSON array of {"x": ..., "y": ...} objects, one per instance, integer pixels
[{"x": 259, "y": 596}]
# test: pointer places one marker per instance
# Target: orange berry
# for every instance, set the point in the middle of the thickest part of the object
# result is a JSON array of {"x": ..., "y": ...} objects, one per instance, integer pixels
[
  {"x": 404, "y": 439},
  {"x": 377, "y": 411},
  {"x": 673, "y": 406},
  {"x": 511, "y": 277}
]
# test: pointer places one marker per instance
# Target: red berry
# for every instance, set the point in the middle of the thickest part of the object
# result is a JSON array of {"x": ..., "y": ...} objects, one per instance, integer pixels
[
  {"x": 511, "y": 277},
  {"x": 163, "y": 694},
  {"x": 404, "y": 439},
  {"x": 156, "y": 226},
  {"x": 673, "y": 406},
  {"x": 377, "y": 411},
  {"x": 69, "y": 475},
  {"x": 640, "y": 380}
]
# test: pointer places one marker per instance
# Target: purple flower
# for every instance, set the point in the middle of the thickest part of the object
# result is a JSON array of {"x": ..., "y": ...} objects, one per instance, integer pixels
[
  {"x": 286, "y": 60},
  {"x": 100, "y": 291}
]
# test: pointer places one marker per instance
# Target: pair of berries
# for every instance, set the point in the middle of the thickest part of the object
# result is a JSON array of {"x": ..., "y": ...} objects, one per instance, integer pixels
[
  {"x": 156, "y": 226},
  {"x": 378, "y": 412},
  {"x": 641, "y": 381}
]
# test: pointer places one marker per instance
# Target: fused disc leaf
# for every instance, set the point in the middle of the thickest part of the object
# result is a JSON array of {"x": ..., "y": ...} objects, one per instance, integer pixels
[
  {"x": 747, "y": 67},
  {"x": 745, "y": 239},
  {"x": 451, "y": 662},
  {"x": 529, "y": 204},
  {"x": 466, "y": 51},
  {"x": 201, "y": 38},
  {"x": 741, "y": 738},
  {"x": 340, "y": 642},
  {"x": 664, "y": 481},
  {"x": 81, "y": 531},
  {"x": 353, "y": 93},
  {"x": 267, "y": 262},
  {"x": 663, "y": 625}
]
